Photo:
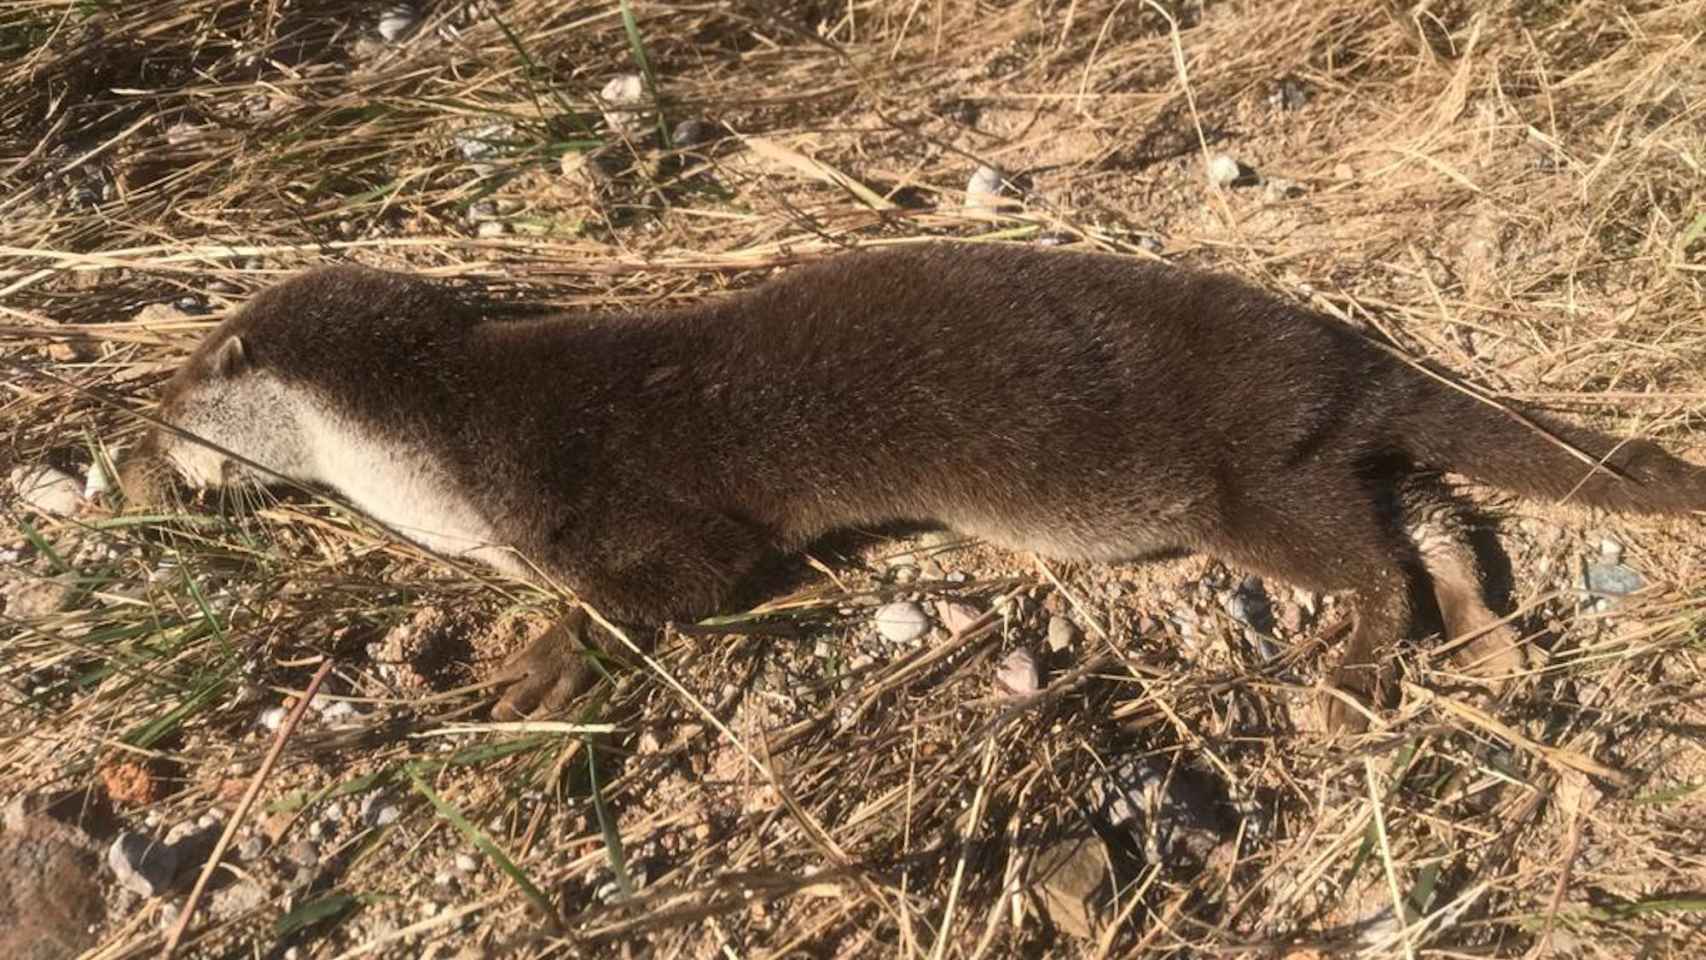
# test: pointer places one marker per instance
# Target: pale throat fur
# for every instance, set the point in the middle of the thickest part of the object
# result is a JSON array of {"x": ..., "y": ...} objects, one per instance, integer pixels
[{"x": 292, "y": 433}]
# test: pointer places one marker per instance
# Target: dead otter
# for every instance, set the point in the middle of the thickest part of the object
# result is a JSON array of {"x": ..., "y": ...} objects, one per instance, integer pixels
[{"x": 1082, "y": 406}]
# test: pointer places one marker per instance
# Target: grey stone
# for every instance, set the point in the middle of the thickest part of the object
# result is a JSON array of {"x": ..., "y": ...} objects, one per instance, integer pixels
[
  {"x": 1074, "y": 884},
  {"x": 1176, "y": 817},
  {"x": 484, "y": 143},
  {"x": 691, "y": 133},
  {"x": 378, "y": 810},
  {"x": 1612, "y": 579},
  {"x": 142, "y": 865},
  {"x": 1248, "y": 604}
]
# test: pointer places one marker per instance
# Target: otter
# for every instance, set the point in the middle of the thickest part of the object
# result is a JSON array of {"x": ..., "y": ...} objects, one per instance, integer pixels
[{"x": 1083, "y": 406}]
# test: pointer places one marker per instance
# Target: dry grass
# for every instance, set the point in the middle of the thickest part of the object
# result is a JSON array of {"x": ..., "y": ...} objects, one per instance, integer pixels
[{"x": 1514, "y": 189}]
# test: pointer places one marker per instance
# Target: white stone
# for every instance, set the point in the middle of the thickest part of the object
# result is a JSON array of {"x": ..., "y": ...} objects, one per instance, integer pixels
[
  {"x": 621, "y": 91},
  {"x": 984, "y": 188},
  {"x": 97, "y": 482},
  {"x": 338, "y": 710},
  {"x": 397, "y": 23},
  {"x": 901, "y": 622},
  {"x": 48, "y": 490},
  {"x": 1061, "y": 633},
  {"x": 1223, "y": 170}
]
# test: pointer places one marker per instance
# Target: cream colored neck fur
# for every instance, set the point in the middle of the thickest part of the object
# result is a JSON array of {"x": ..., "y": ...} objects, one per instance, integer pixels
[{"x": 403, "y": 488}]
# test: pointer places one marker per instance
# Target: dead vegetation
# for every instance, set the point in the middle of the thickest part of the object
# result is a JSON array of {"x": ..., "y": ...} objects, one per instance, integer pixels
[{"x": 1515, "y": 190}]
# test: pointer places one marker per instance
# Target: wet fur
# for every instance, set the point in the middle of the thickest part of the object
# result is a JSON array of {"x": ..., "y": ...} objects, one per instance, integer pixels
[{"x": 1081, "y": 406}]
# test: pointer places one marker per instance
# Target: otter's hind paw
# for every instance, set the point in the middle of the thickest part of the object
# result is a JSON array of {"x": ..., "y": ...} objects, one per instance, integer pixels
[{"x": 545, "y": 677}]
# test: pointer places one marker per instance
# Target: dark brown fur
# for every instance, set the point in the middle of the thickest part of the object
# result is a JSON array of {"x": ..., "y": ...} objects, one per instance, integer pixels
[{"x": 1086, "y": 406}]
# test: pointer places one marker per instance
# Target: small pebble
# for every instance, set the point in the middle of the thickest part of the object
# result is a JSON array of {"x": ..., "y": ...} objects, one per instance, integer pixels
[
  {"x": 1279, "y": 188},
  {"x": 141, "y": 865},
  {"x": 397, "y": 23},
  {"x": 620, "y": 91},
  {"x": 1248, "y": 604},
  {"x": 339, "y": 710},
  {"x": 466, "y": 863},
  {"x": 691, "y": 133},
  {"x": 1612, "y": 579},
  {"x": 303, "y": 853},
  {"x": 1223, "y": 171},
  {"x": 97, "y": 482},
  {"x": 1018, "y": 674},
  {"x": 378, "y": 811},
  {"x": 271, "y": 718},
  {"x": 484, "y": 143},
  {"x": 489, "y": 229},
  {"x": 1062, "y": 633},
  {"x": 1305, "y": 599},
  {"x": 901, "y": 622},
  {"x": 956, "y": 615},
  {"x": 1611, "y": 550},
  {"x": 47, "y": 490},
  {"x": 985, "y": 188}
]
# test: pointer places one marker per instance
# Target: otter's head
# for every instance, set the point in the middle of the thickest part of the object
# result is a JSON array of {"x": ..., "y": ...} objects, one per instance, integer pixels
[
  {"x": 226, "y": 400},
  {"x": 277, "y": 370}
]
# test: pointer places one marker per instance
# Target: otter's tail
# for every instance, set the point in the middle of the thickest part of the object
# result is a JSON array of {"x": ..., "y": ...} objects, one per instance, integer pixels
[{"x": 1452, "y": 430}]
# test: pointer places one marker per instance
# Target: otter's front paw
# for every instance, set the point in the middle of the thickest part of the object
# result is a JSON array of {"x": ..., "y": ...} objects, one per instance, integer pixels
[{"x": 544, "y": 677}]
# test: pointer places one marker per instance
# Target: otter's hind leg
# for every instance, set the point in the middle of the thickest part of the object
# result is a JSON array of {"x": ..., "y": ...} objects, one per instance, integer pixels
[
  {"x": 1329, "y": 535},
  {"x": 664, "y": 564},
  {"x": 1439, "y": 525}
]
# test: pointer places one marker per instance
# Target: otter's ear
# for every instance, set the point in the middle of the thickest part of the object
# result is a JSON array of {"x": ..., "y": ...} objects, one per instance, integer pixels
[{"x": 232, "y": 358}]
